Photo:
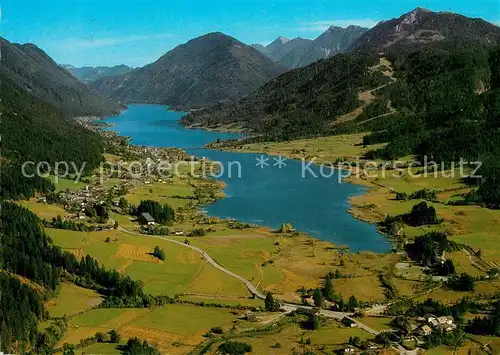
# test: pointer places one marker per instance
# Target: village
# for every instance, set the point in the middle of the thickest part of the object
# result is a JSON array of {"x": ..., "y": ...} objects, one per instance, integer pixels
[{"x": 410, "y": 333}]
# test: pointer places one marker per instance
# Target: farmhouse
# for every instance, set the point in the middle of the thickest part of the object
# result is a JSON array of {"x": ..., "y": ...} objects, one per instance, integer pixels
[
  {"x": 446, "y": 323},
  {"x": 348, "y": 349},
  {"x": 445, "y": 320},
  {"x": 431, "y": 320},
  {"x": 425, "y": 330},
  {"x": 448, "y": 327},
  {"x": 146, "y": 218}
]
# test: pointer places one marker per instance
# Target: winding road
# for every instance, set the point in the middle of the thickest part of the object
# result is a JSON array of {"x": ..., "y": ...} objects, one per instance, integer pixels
[{"x": 288, "y": 307}]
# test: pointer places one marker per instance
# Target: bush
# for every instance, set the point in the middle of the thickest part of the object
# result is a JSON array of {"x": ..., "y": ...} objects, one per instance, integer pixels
[
  {"x": 421, "y": 214},
  {"x": 464, "y": 282},
  {"x": 428, "y": 248},
  {"x": 159, "y": 253},
  {"x": 235, "y": 348},
  {"x": 136, "y": 347},
  {"x": 197, "y": 232},
  {"x": 271, "y": 304},
  {"x": 217, "y": 330},
  {"x": 114, "y": 337},
  {"x": 100, "y": 337}
]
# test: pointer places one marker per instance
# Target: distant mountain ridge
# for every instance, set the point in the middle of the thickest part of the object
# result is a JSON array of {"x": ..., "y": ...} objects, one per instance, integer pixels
[
  {"x": 300, "y": 52},
  {"x": 422, "y": 27},
  {"x": 34, "y": 71},
  {"x": 89, "y": 74},
  {"x": 305, "y": 101},
  {"x": 206, "y": 70}
]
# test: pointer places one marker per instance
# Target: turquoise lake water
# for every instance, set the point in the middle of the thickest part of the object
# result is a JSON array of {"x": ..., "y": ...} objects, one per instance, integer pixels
[{"x": 266, "y": 195}]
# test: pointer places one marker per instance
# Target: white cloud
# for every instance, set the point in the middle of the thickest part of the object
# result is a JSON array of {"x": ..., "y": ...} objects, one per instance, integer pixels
[
  {"x": 110, "y": 41},
  {"x": 324, "y": 24}
]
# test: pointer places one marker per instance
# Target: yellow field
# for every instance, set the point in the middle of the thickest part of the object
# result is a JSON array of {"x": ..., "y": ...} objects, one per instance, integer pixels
[
  {"x": 182, "y": 271},
  {"x": 324, "y": 149},
  {"x": 449, "y": 296},
  {"x": 330, "y": 336},
  {"x": 378, "y": 323},
  {"x": 210, "y": 281},
  {"x": 65, "y": 184},
  {"x": 112, "y": 158},
  {"x": 231, "y": 301},
  {"x": 297, "y": 262},
  {"x": 134, "y": 252},
  {"x": 173, "y": 328},
  {"x": 43, "y": 210},
  {"x": 472, "y": 225},
  {"x": 162, "y": 192},
  {"x": 364, "y": 288},
  {"x": 469, "y": 348},
  {"x": 71, "y": 300},
  {"x": 67, "y": 239}
]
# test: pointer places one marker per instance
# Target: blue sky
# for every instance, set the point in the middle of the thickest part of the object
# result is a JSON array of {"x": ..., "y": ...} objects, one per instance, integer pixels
[{"x": 109, "y": 32}]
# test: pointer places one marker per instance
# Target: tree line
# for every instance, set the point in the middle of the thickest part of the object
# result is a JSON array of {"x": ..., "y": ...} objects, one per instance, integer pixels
[
  {"x": 448, "y": 104},
  {"x": 28, "y": 252}
]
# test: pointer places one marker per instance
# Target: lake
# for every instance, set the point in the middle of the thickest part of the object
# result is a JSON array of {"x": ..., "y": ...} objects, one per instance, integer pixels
[{"x": 261, "y": 189}]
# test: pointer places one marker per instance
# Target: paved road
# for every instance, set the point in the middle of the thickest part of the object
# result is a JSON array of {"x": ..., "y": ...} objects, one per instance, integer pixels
[{"x": 288, "y": 307}]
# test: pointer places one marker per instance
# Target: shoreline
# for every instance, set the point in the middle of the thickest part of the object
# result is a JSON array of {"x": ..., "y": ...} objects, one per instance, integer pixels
[
  {"x": 223, "y": 185},
  {"x": 369, "y": 186}
]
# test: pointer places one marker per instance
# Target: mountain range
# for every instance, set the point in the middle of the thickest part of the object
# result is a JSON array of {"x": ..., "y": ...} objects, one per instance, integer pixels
[
  {"x": 206, "y": 70},
  {"x": 422, "y": 27},
  {"x": 299, "y": 52},
  {"x": 89, "y": 74},
  {"x": 305, "y": 101},
  {"x": 425, "y": 85},
  {"x": 30, "y": 68},
  {"x": 216, "y": 68}
]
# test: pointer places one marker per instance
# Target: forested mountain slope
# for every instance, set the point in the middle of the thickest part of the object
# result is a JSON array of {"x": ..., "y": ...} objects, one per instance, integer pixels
[
  {"x": 306, "y": 101},
  {"x": 28, "y": 253},
  {"x": 34, "y": 130},
  {"x": 448, "y": 106},
  {"x": 206, "y": 70},
  {"x": 31, "y": 266},
  {"x": 301, "y": 102},
  {"x": 33, "y": 70}
]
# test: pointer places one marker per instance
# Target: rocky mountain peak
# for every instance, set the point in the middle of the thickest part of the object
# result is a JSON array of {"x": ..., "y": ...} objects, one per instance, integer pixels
[{"x": 412, "y": 18}]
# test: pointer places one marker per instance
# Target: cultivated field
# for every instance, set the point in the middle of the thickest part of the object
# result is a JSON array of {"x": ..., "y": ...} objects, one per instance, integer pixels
[
  {"x": 175, "y": 329},
  {"x": 63, "y": 184},
  {"x": 43, "y": 210},
  {"x": 324, "y": 149},
  {"x": 72, "y": 300},
  {"x": 163, "y": 193},
  {"x": 290, "y": 337}
]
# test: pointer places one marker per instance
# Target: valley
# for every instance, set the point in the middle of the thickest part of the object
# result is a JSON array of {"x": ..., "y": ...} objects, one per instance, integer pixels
[
  {"x": 335, "y": 195},
  {"x": 281, "y": 263}
]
